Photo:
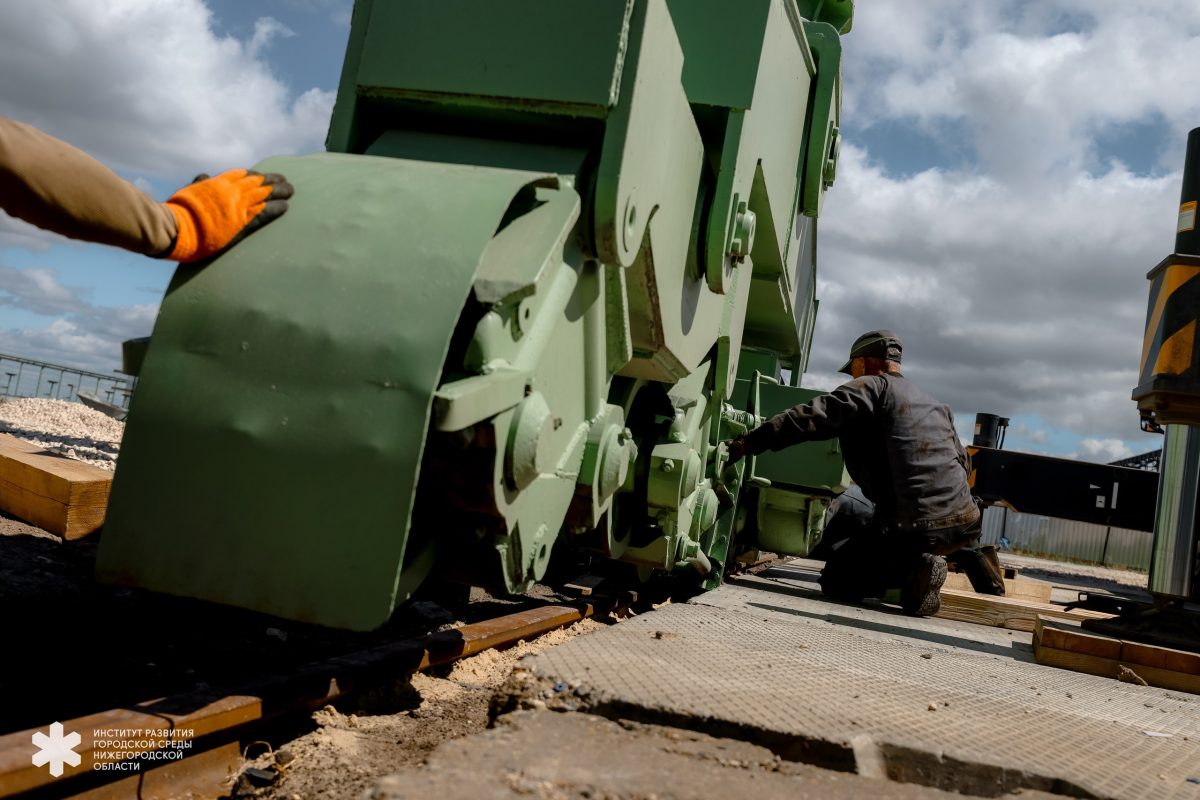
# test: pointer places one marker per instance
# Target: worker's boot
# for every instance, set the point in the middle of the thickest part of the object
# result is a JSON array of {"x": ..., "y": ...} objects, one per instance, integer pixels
[
  {"x": 992, "y": 559},
  {"x": 921, "y": 594},
  {"x": 984, "y": 573}
]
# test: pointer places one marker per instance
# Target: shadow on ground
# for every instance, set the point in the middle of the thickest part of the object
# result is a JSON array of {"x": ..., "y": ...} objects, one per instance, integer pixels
[{"x": 74, "y": 647}]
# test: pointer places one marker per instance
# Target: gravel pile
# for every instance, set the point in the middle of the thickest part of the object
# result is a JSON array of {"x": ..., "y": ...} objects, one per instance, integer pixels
[{"x": 70, "y": 429}]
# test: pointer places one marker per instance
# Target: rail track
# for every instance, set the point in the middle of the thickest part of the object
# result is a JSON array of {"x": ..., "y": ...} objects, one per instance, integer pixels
[{"x": 192, "y": 744}]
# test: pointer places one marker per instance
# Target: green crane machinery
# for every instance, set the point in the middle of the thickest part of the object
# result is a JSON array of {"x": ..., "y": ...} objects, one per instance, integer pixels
[{"x": 555, "y": 254}]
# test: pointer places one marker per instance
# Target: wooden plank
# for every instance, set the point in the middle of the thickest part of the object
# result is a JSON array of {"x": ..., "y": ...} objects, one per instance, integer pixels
[
  {"x": 1070, "y": 637},
  {"x": 58, "y": 494},
  {"x": 205, "y": 774},
  {"x": 584, "y": 585},
  {"x": 18, "y": 774},
  {"x": 1150, "y": 655},
  {"x": 1062, "y": 644},
  {"x": 1166, "y": 678},
  {"x": 1024, "y": 588},
  {"x": 1004, "y": 612},
  {"x": 1074, "y": 661}
]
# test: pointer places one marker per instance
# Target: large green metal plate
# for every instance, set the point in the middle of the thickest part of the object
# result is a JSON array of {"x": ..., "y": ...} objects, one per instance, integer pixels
[
  {"x": 714, "y": 73},
  {"x": 517, "y": 50},
  {"x": 273, "y": 447},
  {"x": 815, "y": 466}
]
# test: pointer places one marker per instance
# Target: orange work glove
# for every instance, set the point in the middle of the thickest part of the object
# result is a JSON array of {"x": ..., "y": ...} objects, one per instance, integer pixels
[{"x": 213, "y": 213}]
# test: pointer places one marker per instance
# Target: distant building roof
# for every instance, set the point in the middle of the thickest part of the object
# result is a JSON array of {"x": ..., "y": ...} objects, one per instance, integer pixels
[{"x": 1147, "y": 461}]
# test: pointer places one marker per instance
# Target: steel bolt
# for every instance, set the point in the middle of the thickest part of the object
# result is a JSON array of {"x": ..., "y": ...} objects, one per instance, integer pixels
[
  {"x": 668, "y": 466},
  {"x": 743, "y": 234},
  {"x": 835, "y": 145}
]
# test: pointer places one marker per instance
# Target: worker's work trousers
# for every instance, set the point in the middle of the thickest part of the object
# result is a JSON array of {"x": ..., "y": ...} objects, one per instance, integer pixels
[{"x": 875, "y": 559}]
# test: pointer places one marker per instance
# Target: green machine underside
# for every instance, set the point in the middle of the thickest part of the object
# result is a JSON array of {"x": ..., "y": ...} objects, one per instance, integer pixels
[{"x": 557, "y": 254}]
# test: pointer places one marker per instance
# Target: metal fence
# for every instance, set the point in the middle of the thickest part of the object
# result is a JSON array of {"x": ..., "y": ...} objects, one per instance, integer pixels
[
  {"x": 28, "y": 377},
  {"x": 1066, "y": 539}
]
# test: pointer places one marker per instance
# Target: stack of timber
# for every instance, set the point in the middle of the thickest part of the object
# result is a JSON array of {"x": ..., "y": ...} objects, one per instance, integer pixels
[
  {"x": 60, "y": 495},
  {"x": 1016, "y": 613},
  {"x": 1064, "y": 644}
]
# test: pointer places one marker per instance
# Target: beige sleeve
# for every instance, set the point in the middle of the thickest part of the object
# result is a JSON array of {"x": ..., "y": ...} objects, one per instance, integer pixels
[{"x": 55, "y": 186}]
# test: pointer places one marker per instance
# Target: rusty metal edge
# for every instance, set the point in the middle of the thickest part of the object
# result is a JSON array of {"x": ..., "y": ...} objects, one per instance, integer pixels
[{"x": 204, "y": 714}]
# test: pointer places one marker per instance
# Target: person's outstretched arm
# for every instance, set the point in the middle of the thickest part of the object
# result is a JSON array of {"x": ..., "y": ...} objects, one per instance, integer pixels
[
  {"x": 50, "y": 184},
  {"x": 823, "y": 418}
]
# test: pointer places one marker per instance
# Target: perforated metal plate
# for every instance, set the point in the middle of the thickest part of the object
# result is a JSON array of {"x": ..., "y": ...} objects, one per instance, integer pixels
[{"x": 928, "y": 701}]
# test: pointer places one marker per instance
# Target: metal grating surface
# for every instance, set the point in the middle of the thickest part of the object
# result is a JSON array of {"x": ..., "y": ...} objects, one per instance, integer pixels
[{"x": 801, "y": 676}]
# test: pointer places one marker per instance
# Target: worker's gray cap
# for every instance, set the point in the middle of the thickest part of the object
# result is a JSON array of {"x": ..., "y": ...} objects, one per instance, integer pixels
[{"x": 874, "y": 344}]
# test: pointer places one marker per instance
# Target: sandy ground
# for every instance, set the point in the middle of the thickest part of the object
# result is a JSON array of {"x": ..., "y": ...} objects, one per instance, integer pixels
[
  {"x": 1045, "y": 568},
  {"x": 599, "y": 759},
  {"x": 350, "y": 751}
]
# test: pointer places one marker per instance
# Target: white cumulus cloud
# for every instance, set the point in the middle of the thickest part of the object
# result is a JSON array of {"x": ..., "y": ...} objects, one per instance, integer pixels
[
  {"x": 147, "y": 86},
  {"x": 80, "y": 332},
  {"x": 1016, "y": 277}
]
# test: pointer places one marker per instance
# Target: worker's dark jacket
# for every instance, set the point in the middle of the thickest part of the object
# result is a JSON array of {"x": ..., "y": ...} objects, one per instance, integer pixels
[{"x": 899, "y": 444}]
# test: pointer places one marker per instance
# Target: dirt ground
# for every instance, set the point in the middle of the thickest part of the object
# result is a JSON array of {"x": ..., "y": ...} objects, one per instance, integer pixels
[
  {"x": 349, "y": 752},
  {"x": 1045, "y": 568}
]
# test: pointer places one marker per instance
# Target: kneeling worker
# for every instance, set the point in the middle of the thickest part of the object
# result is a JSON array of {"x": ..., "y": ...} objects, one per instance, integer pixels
[{"x": 901, "y": 448}]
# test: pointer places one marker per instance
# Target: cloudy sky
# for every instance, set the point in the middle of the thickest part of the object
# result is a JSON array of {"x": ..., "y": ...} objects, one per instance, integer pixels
[{"x": 1010, "y": 170}]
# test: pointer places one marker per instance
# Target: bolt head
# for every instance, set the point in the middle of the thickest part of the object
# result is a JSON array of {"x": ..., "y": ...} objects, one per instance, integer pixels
[{"x": 743, "y": 234}]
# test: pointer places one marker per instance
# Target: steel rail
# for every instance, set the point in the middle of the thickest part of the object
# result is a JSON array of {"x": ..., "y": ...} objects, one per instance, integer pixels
[{"x": 207, "y": 725}]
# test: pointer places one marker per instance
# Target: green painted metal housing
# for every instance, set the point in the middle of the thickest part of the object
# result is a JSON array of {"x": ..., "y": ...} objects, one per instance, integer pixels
[
  {"x": 504, "y": 315},
  {"x": 790, "y": 490}
]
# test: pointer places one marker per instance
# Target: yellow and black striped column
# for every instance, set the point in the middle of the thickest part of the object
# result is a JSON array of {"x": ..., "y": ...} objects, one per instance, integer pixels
[
  {"x": 1168, "y": 394},
  {"x": 1168, "y": 390}
]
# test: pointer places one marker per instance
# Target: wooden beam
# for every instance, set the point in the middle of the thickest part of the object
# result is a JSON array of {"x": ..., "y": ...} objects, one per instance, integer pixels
[
  {"x": 1004, "y": 612},
  {"x": 53, "y": 492},
  {"x": 1022, "y": 588},
  {"x": 1062, "y": 644}
]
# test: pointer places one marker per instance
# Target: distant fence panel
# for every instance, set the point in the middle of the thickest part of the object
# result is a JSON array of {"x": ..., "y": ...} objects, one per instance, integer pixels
[
  {"x": 28, "y": 377},
  {"x": 1067, "y": 539}
]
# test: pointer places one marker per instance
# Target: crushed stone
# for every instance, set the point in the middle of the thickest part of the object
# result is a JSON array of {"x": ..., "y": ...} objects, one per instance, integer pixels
[{"x": 69, "y": 429}]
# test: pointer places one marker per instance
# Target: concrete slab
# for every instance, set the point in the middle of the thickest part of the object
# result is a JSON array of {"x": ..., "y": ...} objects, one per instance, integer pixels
[
  {"x": 776, "y": 591},
  {"x": 856, "y": 688},
  {"x": 540, "y": 754}
]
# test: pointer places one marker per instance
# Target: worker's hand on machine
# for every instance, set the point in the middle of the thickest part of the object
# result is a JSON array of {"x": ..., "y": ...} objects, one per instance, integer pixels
[
  {"x": 212, "y": 214},
  {"x": 736, "y": 449}
]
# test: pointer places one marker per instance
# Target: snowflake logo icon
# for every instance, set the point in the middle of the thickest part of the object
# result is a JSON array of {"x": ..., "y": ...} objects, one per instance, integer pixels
[{"x": 56, "y": 749}]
